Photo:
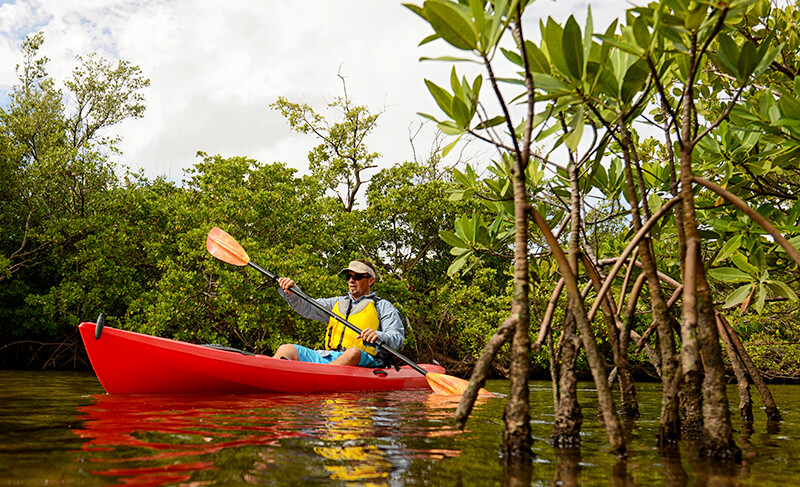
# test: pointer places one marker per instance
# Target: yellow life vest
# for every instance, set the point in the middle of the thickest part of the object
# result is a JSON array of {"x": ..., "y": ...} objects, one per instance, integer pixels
[{"x": 362, "y": 315}]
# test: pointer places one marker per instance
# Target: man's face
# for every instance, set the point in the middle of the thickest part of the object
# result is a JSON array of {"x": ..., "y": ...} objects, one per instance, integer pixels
[{"x": 359, "y": 284}]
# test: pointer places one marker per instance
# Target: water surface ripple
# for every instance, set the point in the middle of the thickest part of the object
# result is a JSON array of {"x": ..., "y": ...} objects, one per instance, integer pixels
[{"x": 61, "y": 428}]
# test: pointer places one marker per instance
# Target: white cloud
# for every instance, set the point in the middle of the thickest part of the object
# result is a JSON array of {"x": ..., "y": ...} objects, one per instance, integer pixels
[{"x": 216, "y": 65}]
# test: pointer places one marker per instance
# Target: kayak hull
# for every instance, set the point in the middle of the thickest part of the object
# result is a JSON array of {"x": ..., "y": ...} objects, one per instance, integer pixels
[{"x": 132, "y": 363}]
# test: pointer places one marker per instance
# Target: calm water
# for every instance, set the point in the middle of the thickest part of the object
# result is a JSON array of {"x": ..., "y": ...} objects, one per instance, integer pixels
[{"x": 60, "y": 428}]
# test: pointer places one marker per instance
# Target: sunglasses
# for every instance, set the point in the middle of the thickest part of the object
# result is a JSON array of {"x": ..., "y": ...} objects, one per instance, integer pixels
[{"x": 355, "y": 277}]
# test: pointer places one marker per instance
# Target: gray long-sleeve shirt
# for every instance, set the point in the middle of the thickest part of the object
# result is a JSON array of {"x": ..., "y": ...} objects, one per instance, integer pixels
[{"x": 390, "y": 331}]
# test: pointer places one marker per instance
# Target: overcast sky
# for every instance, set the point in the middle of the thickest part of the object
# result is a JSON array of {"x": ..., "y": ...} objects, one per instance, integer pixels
[{"x": 216, "y": 65}]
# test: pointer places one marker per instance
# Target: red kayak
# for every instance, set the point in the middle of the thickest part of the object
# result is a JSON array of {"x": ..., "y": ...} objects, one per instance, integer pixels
[{"x": 133, "y": 363}]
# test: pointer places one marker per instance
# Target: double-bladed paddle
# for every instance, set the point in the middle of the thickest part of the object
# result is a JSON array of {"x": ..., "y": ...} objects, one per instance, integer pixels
[{"x": 225, "y": 248}]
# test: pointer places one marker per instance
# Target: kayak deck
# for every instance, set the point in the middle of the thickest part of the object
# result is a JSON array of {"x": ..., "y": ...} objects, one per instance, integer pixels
[{"x": 133, "y": 363}]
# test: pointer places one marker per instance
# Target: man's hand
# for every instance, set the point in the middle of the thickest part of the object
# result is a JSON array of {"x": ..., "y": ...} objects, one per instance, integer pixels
[
  {"x": 285, "y": 283},
  {"x": 368, "y": 335}
]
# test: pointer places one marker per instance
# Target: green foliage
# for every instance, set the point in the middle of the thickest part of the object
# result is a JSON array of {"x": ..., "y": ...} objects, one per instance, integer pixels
[
  {"x": 134, "y": 249},
  {"x": 342, "y": 158},
  {"x": 272, "y": 214},
  {"x": 668, "y": 59},
  {"x": 406, "y": 206},
  {"x": 468, "y": 26},
  {"x": 451, "y": 322},
  {"x": 771, "y": 338},
  {"x": 61, "y": 194},
  {"x": 77, "y": 239},
  {"x": 102, "y": 96}
]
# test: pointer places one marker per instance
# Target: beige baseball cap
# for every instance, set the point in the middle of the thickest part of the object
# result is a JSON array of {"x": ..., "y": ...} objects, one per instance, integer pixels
[{"x": 359, "y": 267}]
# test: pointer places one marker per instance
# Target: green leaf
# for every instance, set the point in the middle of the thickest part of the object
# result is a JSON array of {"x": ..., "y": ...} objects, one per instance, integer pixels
[
  {"x": 552, "y": 44},
  {"x": 759, "y": 259},
  {"x": 494, "y": 29},
  {"x": 727, "y": 55},
  {"x": 726, "y": 225},
  {"x": 781, "y": 289},
  {"x": 729, "y": 274},
  {"x": 456, "y": 194},
  {"x": 414, "y": 8},
  {"x": 737, "y": 296},
  {"x": 789, "y": 107},
  {"x": 478, "y": 13},
  {"x": 588, "y": 32},
  {"x": 544, "y": 134},
  {"x": 766, "y": 59},
  {"x": 461, "y": 113},
  {"x": 457, "y": 264},
  {"x": 467, "y": 229},
  {"x": 794, "y": 242},
  {"x": 761, "y": 297},
  {"x": 461, "y": 178},
  {"x": 573, "y": 137},
  {"x": 634, "y": 81},
  {"x": 748, "y": 60},
  {"x": 449, "y": 147},
  {"x": 550, "y": 84},
  {"x": 493, "y": 122},
  {"x": 428, "y": 117},
  {"x": 429, "y": 39},
  {"x": 513, "y": 56},
  {"x": 455, "y": 84},
  {"x": 452, "y": 22},
  {"x": 451, "y": 239},
  {"x": 459, "y": 251},
  {"x": 604, "y": 79},
  {"x": 725, "y": 68},
  {"x": 537, "y": 61},
  {"x": 741, "y": 262},
  {"x": 641, "y": 33},
  {"x": 730, "y": 247},
  {"x": 654, "y": 202},
  {"x": 442, "y": 97},
  {"x": 572, "y": 45},
  {"x": 624, "y": 46},
  {"x": 695, "y": 19},
  {"x": 452, "y": 59},
  {"x": 450, "y": 128},
  {"x": 477, "y": 83}
]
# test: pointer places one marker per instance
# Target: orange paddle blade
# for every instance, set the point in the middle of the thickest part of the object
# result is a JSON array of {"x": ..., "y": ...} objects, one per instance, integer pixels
[
  {"x": 449, "y": 385},
  {"x": 225, "y": 248}
]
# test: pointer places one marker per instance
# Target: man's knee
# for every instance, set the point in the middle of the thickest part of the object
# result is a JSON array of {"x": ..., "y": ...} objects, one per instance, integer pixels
[
  {"x": 351, "y": 356},
  {"x": 286, "y": 351}
]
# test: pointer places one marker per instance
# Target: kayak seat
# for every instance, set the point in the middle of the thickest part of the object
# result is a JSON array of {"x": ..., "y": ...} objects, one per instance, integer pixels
[
  {"x": 389, "y": 360},
  {"x": 227, "y": 349}
]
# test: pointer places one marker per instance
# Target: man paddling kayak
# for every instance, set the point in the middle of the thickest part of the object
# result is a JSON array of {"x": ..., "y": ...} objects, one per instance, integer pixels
[{"x": 377, "y": 318}]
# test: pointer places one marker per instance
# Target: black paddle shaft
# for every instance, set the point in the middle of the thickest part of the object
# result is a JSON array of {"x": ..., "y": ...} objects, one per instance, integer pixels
[{"x": 338, "y": 318}]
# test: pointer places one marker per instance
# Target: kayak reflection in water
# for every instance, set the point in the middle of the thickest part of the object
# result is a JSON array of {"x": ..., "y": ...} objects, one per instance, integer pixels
[
  {"x": 378, "y": 320},
  {"x": 349, "y": 440}
]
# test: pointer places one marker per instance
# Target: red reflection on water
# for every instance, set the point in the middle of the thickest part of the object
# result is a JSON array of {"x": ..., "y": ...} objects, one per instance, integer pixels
[
  {"x": 158, "y": 439},
  {"x": 154, "y": 476},
  {"x": 169, "y": 426}
]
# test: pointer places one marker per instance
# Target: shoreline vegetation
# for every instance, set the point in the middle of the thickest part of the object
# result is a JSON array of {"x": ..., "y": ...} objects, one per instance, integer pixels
[{"x": 63, "y": 355}]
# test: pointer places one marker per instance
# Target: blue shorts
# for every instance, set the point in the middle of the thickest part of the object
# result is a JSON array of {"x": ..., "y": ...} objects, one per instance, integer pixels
[{"x": 327, "y": 356}]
